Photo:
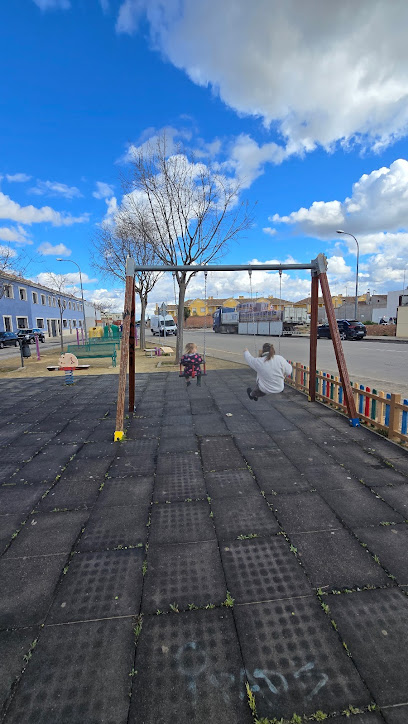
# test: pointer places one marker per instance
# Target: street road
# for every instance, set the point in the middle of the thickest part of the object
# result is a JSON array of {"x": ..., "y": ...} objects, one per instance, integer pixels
[
  {"x": 50, "y": 343},
  {"x": 381, "y": 365}
]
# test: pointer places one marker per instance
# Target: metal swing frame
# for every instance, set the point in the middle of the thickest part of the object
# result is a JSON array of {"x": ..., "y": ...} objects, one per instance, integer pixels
[{"x": 318, "y": 269}]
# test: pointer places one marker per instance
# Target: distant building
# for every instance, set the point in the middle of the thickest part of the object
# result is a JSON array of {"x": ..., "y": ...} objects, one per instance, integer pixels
[{"x": 27, "y": 305}]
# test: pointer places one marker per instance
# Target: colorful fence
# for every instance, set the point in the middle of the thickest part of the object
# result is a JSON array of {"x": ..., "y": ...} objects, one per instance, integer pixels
[{"x": 383, "y": 411}]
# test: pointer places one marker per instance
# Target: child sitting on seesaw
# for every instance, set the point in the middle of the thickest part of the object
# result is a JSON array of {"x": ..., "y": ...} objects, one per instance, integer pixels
[{"x": 191, "y": 362}]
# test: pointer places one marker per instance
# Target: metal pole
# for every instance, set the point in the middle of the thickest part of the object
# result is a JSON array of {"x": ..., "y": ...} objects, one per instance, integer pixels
[
  {"x": 132, "y": 353},
  {"x": 82, "y": 289},
  {"x": 222, "y": 267},
  {"x": 347, "y": 233},
  {"x": 314, "y": 311}
]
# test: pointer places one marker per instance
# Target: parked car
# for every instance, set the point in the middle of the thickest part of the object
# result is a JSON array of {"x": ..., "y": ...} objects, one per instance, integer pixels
[
  {"x": 8, "y": 339},
  {"x": 348, "y": 328},
  {"x": 30, "y": 334}
]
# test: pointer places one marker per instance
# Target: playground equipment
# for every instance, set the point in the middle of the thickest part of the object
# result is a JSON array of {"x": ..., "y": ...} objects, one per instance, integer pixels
[
  {"x": 318, "y": 268},
  {"x": 68, "y": 363}
]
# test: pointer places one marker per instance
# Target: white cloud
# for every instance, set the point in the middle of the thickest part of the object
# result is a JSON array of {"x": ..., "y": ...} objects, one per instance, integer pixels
[
  {"x": 17, "y": 177},
  {"x": 103, "y": 190},
  {"x": 55, "y": 188},
  {"x": 247, "y": 158},
  {"x": 148, "y": 140},
  {"x": 11, "y": 210},
  {"x": 72, "y": 279},
  {"x": 7, "y": 252},
  {"x": 47, "y": 249},
  {"x": 104, "y": 6},
  {"x": 269, "y": 230},
  {"x": 322, "y": 72},
  {"x": 53, "y": 4},
  {"x": 378, "y": 203},
  {"x": 18, "y": 235},
  {"x": 112, "y": 209},
  {"x": 113, "y": 299}
]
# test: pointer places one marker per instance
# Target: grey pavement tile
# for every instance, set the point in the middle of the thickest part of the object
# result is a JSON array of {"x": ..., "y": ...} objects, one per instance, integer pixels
[
  {"x": 275, "y": 473},
  {"x": 10, "y": 523},
  {"x": 47, "y": 533},
  {"x": 75, "y": 432},
  {"x": 396, "y": 497},
  {"x": 105, "y": 584},
  {"x": 174, "y": 487},
  {"x": 253, "y": 441},
  {"x": 183, "y": 574},
  {"x": 193, "y": 658},
  {"x": 247, "y": 516},
  {"x": 104, "y": 449},
  {"x": 178, "y": 443},
  {"x": 19, "y": 498},
  {"x": 231, "y": 484},
  {"x": 242, "y": 423},
  {"x": 172, "y": 420},
  {"x": 220, "y": 453},
  {"x": 295, "y": 661},
  {"x": 127, "y": 491},
  {"x": 379, "y": 476},
  {"x": 14, "y": 645},
  {"x": 331, "y": 477},
  {"x": 184, "y": 464},
  {"x": 86, "y": 469},
  {"x": 396, "y": 714},
  {"x": 70, "y": 495},
  {"x": 390, "y": 544},
  {"x": 181, "y": 522},
  {"x": 360, "y": 507},
  {"x": 263, "y": 569},
  {"x": 336, "y": 560},
  {"x": 111, "y": 528},
  {"x": 374, "y": 625},
  {"x": 7, "y": 471},
  {"x": 210, "y": 424},
  {"x": 47, "y": 464},
  {"x": 102, "y": 432},
  {"x": 27, "y": 586},
  {"x": 134, "y": 465},
  {"x": 272, "y": 422},
  {"x": 140, "y": 430},
  {"x": 52, "y": 690},
  {"x": 303, "y": 512},
  {"x": 371, "y": 717},
  {"x": 135, "y": 448}
]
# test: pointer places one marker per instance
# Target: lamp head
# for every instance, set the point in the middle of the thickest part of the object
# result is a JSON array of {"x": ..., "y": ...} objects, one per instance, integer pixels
[
  {"x": 340, "y": 231},
  {"x": 60, "y": 260}
]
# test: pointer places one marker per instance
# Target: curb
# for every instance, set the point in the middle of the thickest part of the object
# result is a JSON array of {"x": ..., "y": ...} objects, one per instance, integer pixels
[{"x": 393, "y": 340}]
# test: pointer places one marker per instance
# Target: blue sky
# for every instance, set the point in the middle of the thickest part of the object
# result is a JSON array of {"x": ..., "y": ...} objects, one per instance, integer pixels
[{"x": 308, "y": 109}]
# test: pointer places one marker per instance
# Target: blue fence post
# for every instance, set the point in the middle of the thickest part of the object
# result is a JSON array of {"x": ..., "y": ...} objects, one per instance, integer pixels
[
  {"x": 361, "y": 401},
  {"x": 387, "y": 412},
  {"x": 404, "y": 424}
]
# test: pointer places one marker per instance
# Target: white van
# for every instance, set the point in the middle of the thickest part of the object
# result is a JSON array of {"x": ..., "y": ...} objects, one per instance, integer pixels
[{"x": 159, "y": 324}]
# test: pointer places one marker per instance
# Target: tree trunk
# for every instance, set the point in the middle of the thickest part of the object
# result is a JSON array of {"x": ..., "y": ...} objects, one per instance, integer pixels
[
  {"x": 143, "y": 304},
  {"x": 180, "y": 316}
]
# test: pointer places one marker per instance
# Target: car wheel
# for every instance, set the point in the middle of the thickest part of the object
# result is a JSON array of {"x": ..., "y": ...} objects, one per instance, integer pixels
[
  {"x": 16, "y": 343},
  {"x": 343, "y": 335}
]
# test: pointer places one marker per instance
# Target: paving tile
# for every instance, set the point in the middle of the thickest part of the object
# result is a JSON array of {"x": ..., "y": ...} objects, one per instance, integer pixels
[
  {"x": 176, "y": 444},
  {"x": 396, "y": 497},
  {"x": 360, "y": 507},
  {"x": 231, "y": 483},
  {"x": 123, "y": 467},
  {"x": 248, "y": 516},
  {"x": 330, "y": 477},
  {"x": 220, "y": 453},
  {"x": 272, "y": 422},
  {"x": 181, "y": 522},
  {"x": 396, "y": 714},
  {"x": 127, "y": 491},
  {"x": 193, "y": 658},
  {"x": 210, "y": 424},
  {"x": 335, "y": 559},
  {"x": 374, "y": 625},
  {"x": 173, "y": 487},
  {"x": 45, "y": 466},
  {"x": 20, "y": 498},
  {"x": 294, "y": 659},
  {"x": 253, "y": 441},
  {"x": 27, "y": 586},
  {"x": 7, "y": 471},
  {"x": 184, "y": 465},
  {"x": 134, "y": 448},
  {"x": 77, "y": 674},
  {"x": 14, "y": 645},
  {"x": 262, "y": 569},
  {"x": 185, "y": 573},
  {"x": 372, "y": 717},
  {"x": 99, "y": 585},
  {"x": 109, "y": 528},
  {"x": 86, "y": 469},
  {"x": 390, "y": 544},
  {"x": 9, "y": 524},
  {"x": 303, "y": 512},
  {"x": 381, "y": 476},
  {"x": 47, "y": 533},
  {"x": 70, "y": 495},
  {"x": 275, "y": 473},
  {"x": 104, "y": 449}
]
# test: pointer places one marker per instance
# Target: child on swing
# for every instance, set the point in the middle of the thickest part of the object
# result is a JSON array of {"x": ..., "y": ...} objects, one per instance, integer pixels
[
  {"x": 271, "y": 371},
  {"x": 191, "y": 362}
]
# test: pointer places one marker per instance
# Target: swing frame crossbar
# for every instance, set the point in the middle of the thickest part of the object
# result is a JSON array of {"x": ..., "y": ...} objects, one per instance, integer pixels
[{"x": 318, "y": 269}]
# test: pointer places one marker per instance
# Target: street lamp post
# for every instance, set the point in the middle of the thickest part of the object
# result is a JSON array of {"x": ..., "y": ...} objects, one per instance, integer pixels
[
  {"x": 82, "y": 290},
  {"x": 340, "y": 231}
]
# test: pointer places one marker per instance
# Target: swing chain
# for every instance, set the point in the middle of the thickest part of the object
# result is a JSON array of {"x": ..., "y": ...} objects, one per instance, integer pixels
[{"x": 282, "y": 311}]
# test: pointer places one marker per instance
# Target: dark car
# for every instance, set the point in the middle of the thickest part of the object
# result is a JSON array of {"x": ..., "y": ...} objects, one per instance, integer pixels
[
  {"x": 30, "y": 334},
  {"x": 348, "y": 328},
  {"x": 8, "y": 339}
]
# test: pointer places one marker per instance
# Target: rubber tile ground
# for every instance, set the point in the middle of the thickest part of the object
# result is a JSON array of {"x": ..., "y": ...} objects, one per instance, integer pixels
[{"x": 230, "y": 561}]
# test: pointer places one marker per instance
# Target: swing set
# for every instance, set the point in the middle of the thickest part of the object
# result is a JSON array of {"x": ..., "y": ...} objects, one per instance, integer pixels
[{"x": 318, "y": 269}]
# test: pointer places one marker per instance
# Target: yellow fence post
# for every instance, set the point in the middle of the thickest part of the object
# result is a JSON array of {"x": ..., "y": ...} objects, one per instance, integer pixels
[{"x": 393, "y": 426}]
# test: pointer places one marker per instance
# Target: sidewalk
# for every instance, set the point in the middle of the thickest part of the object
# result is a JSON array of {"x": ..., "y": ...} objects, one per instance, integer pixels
[{"x": 225, "y": 542}]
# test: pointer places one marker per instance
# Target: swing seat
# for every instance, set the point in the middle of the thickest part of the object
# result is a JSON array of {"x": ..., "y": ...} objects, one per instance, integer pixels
[{"x": 203, "y": 372}]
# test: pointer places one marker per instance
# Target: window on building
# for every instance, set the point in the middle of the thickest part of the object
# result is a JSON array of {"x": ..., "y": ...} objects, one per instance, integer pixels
[
  {"x": 79, "y": 323},
  {"x": 79, "y": 307},
  {"x": 8, "y": 292},
  {"x": 202, "y": 309},
  {"x": 69, "y": 305},
  {"x": 49, "y": 301},
  {"x": 35, "y": 298},
  {"x": 54, "y": 302},
  {"x": 40, "y": 323},
  {"x": 74, "y": 322},
  {"x": 43, "y": 300},
  {"x": 194, "y": 310},
  {"x": 64, "y": 323},
  {"x": 8, "y": 324},
  {"x": 73, "y": 305},
  {"x": 22, "y": 293},
  {"x": 22, "y": 322}
]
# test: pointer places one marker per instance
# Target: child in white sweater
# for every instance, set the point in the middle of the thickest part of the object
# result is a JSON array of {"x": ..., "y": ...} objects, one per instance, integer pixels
[{"x": 271, "y": 371}]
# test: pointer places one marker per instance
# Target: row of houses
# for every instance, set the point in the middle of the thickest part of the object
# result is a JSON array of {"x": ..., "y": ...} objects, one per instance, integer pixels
[{"x": 27, "y": 305}]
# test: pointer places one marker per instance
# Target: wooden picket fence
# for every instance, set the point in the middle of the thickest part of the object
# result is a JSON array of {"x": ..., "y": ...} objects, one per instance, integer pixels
[{"x": 380, "y": 410}]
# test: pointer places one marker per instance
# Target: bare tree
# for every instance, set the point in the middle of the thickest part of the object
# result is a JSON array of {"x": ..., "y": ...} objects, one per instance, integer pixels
[
  {"x": 59, "y": 283},
  {"x": 10, "y": 263},
  {"x": 188, "y": 210},
  {"x": 113, "y": 243}
]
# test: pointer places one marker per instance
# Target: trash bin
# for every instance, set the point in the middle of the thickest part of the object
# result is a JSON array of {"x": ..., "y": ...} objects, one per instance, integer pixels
[{"x": 25, "y": 344}]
